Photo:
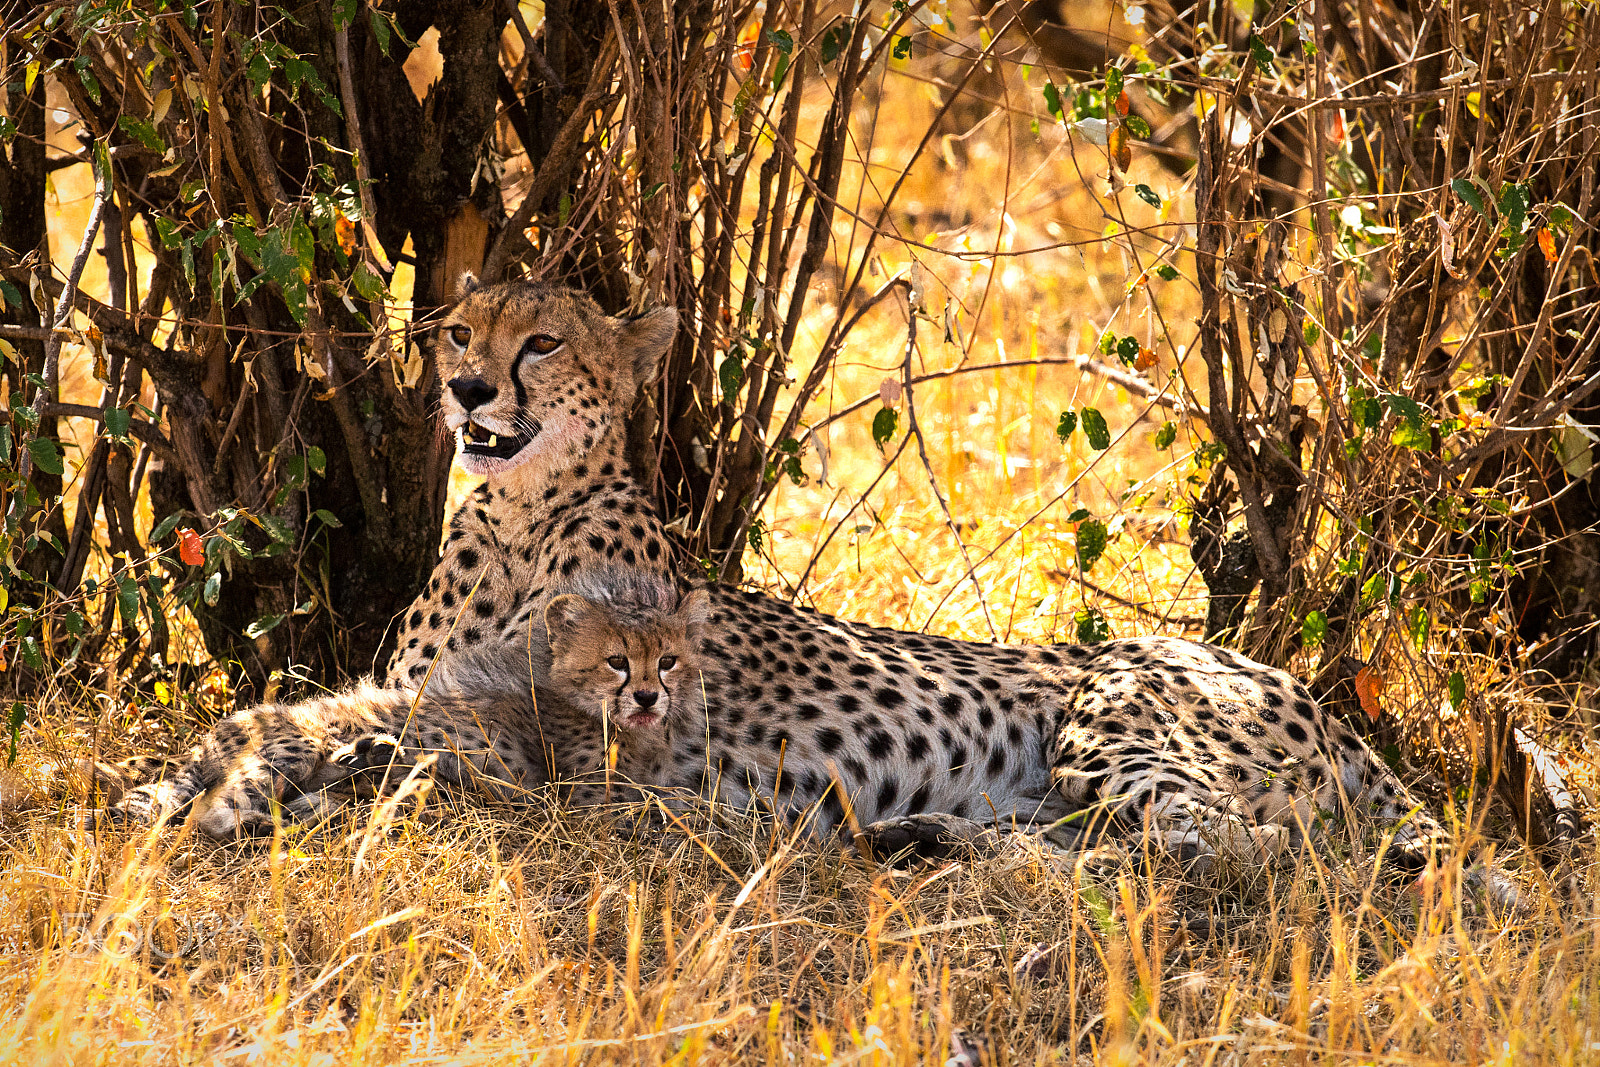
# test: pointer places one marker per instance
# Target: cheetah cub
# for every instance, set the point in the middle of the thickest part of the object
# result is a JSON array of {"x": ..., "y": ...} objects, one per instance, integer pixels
[{"x": 634, "y": 664}]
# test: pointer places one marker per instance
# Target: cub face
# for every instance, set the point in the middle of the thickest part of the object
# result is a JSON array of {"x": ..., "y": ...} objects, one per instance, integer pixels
[
  {"x": 638, "y": 667},
  {"x": 535, "y": 370}
]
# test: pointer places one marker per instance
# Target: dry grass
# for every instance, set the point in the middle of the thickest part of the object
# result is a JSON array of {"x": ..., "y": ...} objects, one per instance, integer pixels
[{"x": 456, "y": 936}]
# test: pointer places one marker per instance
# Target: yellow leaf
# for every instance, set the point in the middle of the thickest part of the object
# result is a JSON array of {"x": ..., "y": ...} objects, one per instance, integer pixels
[{"x": 1474, "y": 100}]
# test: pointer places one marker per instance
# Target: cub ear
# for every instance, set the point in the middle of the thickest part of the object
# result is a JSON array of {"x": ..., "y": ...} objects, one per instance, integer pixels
[
  {"x": 695, "y": 611},
  {"x": 467, "y": 285},
  {"x": 646, "y": 339},
  {"x": 566, "y": 616}
]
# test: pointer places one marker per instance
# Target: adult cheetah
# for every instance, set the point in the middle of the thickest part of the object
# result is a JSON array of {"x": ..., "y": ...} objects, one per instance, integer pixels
[{"x": 1205, "y": 747}]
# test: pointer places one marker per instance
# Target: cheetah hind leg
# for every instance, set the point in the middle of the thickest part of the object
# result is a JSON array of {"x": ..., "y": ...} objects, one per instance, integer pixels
[
  {"x": 262, "y": 789},
  {"x": 927, "y": 837}
]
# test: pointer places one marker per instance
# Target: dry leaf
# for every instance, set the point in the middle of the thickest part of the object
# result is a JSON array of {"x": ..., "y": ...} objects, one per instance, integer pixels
[
  {"x": 344, "y": 231},
  {"x": 1121, "y": 151},
  {"x": 190, "y": 548},
  {"x": 889, "y": 391},
  {"x": 1369, "y": 690},
  {"x": 1447, "y": 245}
]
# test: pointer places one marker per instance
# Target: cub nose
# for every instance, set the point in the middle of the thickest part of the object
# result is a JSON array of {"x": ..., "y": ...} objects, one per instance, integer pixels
[
  {"x": 473, "y": 392},
  {"x": 645, "y": 697}
]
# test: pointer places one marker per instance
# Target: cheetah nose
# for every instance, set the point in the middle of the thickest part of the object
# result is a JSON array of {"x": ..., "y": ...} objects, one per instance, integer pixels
[
  {"x": 645, "y": 697},
  {"x": 473, "y": 392}
]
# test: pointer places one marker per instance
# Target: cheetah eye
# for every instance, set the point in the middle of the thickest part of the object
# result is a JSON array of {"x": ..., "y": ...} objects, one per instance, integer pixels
[
  {"x": 543, "y": 343},
  {"x": 668, "y": 662},
  {"x": 618, "y": 663},
  {"x": 460, "y": 335}
]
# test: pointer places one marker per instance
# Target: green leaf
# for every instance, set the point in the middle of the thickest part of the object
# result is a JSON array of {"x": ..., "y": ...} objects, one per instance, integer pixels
[
  {"x": 317, "y": 460},
  {"x": 1166, "y": 435},
  {"x": 1469, "y": 192},
  {"x": 328, "y": 518},
  {"x": 1091, "y": 540},
  {"x": 1413, "y": 434},
  {"x": 264, "y": 625},
  {"x": 1128, "y": 350},
  {"x": 731, "y": 373},
  {"x": 834, "y": 40},
  {"x": 884, "y": 425},
  {"x": 279, "y": 530},
  {"x": 1113, "y": 86},
  {"x": 213, "y": 589},
  {"x": 1458, "y": 690},
  {"x": 1513, "y": 205},
  {"x": 12, "y": 294},
  {"x": 367, "y": 283},
  {"x": 46, "y": 455},
  {"x": 1365, "y": 412},
  {"x": 1139, "y": 128},
  {"x": 1314, "y": 629},
  {"x": 1261, "y": 54},
  {"x": 902, "y": 48},
  {"x": 1419, "y": 624},
  {"x": 143, "y": 131},
  {"x": 781, "y": 40},
  {"x": 14, "y": 721},
  {"x": 1068, "y": 423},
  {"x": 168, "y": 524},
  {"x": 128, "y": 600},
  {"x": 344, "y": 13},
  {"x": 118, "y": 420},
  {"x": 1092, "y": 626},
  {"x": 1052, "y": 99},
  {"x": 1167, "y": 272},
  {"x": 380, "y": 30},
  {"x": 1151, "y": 197},
  {"x": 1095, "y": 429}
]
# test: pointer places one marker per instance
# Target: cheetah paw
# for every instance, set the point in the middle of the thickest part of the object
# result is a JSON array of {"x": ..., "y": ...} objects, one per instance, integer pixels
[{"x": 925, "y": 838}]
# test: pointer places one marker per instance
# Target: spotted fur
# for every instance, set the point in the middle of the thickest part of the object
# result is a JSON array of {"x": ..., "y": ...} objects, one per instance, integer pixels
[{"x": 832, "y": 721}]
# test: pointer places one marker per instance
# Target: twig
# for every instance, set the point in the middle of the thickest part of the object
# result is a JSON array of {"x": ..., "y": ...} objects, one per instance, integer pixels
[
  {"x": 913, "y": 429},
  {"x": 510, "y": 243},
  {"x": 52, "y": 344},
  {"x": 352, "y": 118},
  {"x": 144, "y": 431},
  {"x": 1186, "y": 621}
]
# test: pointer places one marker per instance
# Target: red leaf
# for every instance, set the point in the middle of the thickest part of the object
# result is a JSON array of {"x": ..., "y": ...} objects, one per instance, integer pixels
[
  {"x": 1547, "y": 244},
  {"x": 190, "y": 548},
  {"x": 1369, "y": 689}
]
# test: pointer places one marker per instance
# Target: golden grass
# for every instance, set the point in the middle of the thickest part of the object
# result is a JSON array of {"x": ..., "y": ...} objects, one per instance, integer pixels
[{"x": 468, "y": 935}]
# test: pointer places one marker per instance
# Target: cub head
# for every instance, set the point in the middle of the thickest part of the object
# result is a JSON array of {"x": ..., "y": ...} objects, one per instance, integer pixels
[
  {"x": 538, "y": 370},
  {"x": 638, "y": 666}
]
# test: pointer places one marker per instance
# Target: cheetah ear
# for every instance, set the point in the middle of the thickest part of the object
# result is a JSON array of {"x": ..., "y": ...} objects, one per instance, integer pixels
[
  {"x": 646, "y": 340},
  {"x": 695, "y": 611},
  {"x": 566, "y": 616},
  {"x": 467, "y": 285}
]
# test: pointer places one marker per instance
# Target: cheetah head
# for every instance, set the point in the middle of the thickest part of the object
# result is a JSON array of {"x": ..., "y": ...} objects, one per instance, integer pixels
[
  {"x": 637, "y": 666},
  {"x": 536, "y": 370}
]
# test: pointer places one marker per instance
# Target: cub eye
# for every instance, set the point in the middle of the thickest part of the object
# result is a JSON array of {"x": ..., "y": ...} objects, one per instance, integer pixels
[
  {"x": 460, "y": 335},
  {"x": 543, "y": 343},
  {"x": 619, "y": 663},
  {"x": 668, "y": 662}
]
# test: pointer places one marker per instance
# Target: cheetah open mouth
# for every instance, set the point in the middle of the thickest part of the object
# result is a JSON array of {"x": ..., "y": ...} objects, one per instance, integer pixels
[{"x": 479, "y": 440}]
